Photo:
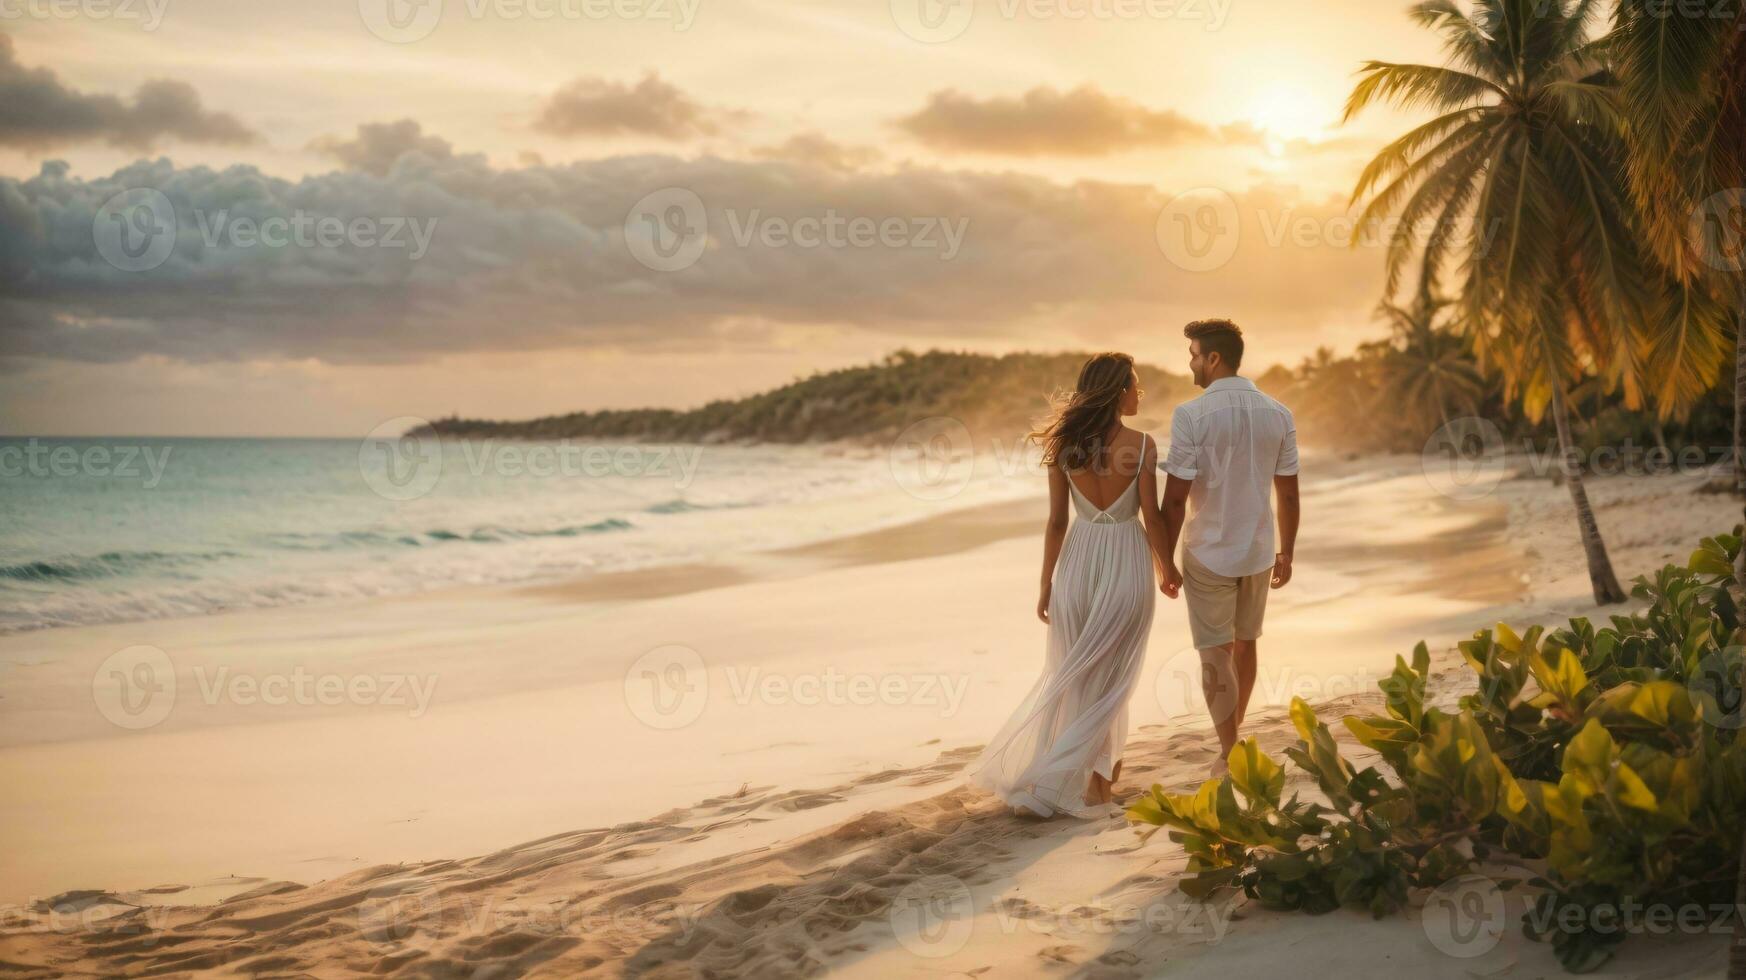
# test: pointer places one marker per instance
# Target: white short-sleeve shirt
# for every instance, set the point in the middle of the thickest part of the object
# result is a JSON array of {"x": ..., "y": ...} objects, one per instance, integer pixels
[{"x": 1231, "y": 441}]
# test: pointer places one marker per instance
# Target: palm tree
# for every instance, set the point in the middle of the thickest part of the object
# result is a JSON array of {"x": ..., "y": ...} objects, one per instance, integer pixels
[
  {"x": 1683, "y": 81},
  {"x": 1683, "y": 85},
  {"x": 1428, "y": 368},
  {"x": 1523, "y": 161}
]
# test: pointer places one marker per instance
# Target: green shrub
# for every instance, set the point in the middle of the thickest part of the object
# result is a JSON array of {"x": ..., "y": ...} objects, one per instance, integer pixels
[{"x": 1604, "y": 764}]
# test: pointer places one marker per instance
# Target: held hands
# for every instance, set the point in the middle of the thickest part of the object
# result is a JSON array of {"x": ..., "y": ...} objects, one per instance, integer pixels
[
  {"x": 1170, "y": 579},
  {"x": 1281, "y": 570}
]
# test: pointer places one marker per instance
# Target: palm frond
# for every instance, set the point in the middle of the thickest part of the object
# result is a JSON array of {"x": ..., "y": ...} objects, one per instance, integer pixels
[{"x": 1416, "y": 86}]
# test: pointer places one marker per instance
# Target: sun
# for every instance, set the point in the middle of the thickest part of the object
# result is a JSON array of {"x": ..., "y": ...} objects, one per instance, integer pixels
[{"x": 1287, "y": 113}]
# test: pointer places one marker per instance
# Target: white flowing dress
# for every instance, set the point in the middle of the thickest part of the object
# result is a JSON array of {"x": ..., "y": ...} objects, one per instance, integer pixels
[{"x": 1075, "y": 720}]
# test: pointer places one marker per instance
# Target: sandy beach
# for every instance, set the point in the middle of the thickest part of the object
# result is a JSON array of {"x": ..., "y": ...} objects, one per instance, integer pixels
[{"x": 730, "y": 769}]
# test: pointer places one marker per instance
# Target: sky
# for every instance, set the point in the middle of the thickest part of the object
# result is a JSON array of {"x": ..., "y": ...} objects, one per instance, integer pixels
[{"x": 239, "y": 217}]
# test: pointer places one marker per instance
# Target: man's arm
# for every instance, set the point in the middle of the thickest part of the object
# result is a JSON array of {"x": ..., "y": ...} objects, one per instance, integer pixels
[
  {"x": 1285, "y": 488},
  {"x": 1182, "y": 464},
  {"x": 1175, "y": 510}
]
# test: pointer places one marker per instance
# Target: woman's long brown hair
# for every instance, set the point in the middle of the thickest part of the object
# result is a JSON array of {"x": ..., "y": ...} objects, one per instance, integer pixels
[{"x": 1075, "y": 435}]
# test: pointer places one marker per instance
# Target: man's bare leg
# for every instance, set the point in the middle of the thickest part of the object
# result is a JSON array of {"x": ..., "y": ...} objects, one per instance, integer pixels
[
  {"x": 1218, "y": 681},
  {"x": 1243, "y": 658}
]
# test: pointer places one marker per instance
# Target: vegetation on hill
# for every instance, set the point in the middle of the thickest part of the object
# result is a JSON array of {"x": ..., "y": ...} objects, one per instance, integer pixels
[{"x": 996, "y": 397}]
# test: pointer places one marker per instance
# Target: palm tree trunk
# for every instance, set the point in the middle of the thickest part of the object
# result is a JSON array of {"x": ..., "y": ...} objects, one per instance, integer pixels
[
  {"x": 1600, "y": 567},
  {"x": 1737, "y": 952},
  {"x": 1740, "y": 414}
]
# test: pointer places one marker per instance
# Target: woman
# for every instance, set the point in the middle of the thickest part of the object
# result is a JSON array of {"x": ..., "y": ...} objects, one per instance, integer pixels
[{"x": 1061, "y": 752}]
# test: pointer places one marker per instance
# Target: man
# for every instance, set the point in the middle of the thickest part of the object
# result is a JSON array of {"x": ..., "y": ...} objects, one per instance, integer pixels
[{"x": 1226, "y": 446}]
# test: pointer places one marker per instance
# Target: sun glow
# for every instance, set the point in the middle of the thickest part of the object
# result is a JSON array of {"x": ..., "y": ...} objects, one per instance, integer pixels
[{"x": 1285, "y": 113}]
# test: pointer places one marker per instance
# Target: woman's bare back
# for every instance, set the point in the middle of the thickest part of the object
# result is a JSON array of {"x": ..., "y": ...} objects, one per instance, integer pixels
[{"x": 1108, "y": 477}]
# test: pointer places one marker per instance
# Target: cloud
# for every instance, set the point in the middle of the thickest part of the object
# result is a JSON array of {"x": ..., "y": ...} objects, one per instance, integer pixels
[
  {"x": 815, "y": 148},
  {"x": 598, "y": 107},
  {"x": 378, "y": 145},
  {"x": 38, "y": 112},
  {"x": 1045, "y": 121},
  {"x": 537, "y": 258}
]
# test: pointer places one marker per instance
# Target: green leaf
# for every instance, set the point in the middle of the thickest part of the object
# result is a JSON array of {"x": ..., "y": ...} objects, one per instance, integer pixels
[
  {"x": 1628, "y": 789},
  {"x": 1303, "y": 718},
  {"x": 1256, "y": 776}
]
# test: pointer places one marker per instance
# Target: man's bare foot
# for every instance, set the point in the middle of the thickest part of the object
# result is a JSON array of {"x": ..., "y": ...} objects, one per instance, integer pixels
[
  {"x": 1220, "y": 768},
  {"x": 1114, "y": 774}
]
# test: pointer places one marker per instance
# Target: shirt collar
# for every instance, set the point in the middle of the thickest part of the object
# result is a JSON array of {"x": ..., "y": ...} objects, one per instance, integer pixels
[{"x": 1234, "y": 381}]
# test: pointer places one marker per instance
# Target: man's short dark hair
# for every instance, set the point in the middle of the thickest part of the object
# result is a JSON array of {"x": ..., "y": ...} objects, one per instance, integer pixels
[{"x": 1221, "y": 337}]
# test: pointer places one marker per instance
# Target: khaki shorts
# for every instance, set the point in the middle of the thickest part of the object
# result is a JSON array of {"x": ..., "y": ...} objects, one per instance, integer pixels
[{"x": 1221, "y": 608}]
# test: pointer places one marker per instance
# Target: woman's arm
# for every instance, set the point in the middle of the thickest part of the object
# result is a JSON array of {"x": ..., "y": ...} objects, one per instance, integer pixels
[
  {"x": 1152, "y": 514},
  {"x": 1054, "y": 533}
]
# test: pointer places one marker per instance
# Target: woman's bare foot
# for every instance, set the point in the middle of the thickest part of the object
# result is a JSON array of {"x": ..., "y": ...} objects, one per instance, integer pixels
[
  {"x": 1220, "y": 768},
  {"x": 1109, "y": 790},
  {"x": 1096, "y": 790}
]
